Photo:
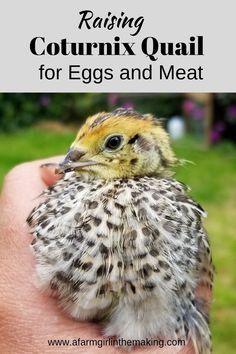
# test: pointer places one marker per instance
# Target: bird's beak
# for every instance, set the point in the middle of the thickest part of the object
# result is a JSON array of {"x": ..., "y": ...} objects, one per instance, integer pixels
[{"x": 72, "y": 161}]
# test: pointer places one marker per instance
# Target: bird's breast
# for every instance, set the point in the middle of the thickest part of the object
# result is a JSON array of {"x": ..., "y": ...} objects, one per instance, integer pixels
[{"x": 124, "y": 235}]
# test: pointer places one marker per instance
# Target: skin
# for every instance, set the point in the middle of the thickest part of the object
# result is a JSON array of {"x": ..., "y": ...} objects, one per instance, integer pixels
[{"x": 28, "y": 318}]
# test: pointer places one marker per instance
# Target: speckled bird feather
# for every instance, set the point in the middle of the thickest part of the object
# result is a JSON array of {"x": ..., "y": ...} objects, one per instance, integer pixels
[{"x": 127, "y": 252}]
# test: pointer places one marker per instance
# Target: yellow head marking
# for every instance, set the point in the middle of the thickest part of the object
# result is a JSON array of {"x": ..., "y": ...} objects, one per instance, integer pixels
[{"x": 124, "y": 144}]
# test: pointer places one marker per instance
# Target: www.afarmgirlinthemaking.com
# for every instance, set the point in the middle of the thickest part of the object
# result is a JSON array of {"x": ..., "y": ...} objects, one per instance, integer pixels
[{"x": 161, "y": 343}]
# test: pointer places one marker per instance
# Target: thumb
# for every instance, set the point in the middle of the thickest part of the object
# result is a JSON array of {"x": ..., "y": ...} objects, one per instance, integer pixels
[{"x": 48, "y": 171}]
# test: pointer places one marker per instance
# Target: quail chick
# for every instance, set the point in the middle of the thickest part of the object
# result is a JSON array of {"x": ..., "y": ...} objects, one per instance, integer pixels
[{"x": 118, "y": 240}]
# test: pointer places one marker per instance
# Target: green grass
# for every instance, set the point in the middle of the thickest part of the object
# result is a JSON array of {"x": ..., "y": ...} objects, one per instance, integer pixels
[
  {"x": 31, "y": 144},
  {"x": 212, "y": 179}
]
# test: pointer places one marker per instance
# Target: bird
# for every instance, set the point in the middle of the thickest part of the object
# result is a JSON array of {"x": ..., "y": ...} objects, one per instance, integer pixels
[{"x": 118, "y": 240}]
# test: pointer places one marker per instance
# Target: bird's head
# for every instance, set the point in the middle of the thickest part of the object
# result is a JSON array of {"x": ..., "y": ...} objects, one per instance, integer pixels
[{"x": 120, "y": 144}]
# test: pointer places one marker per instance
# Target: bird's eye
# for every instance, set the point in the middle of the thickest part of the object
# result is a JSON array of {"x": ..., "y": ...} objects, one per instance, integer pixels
[{"x": 113, "y": 142}]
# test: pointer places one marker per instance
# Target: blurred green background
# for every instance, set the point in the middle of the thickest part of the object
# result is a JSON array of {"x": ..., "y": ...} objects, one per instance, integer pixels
[{"x": 34, "y": 126}]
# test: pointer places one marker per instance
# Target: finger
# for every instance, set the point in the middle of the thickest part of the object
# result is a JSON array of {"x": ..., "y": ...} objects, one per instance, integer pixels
[
  {"x": 204, "y": 292},
  {"x": 49, "y": 173},
  {"x": 23, "y": 186}
]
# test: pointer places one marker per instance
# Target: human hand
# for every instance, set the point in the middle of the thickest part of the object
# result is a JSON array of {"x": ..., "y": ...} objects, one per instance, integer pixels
[{"x": 29, "y": 318}]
